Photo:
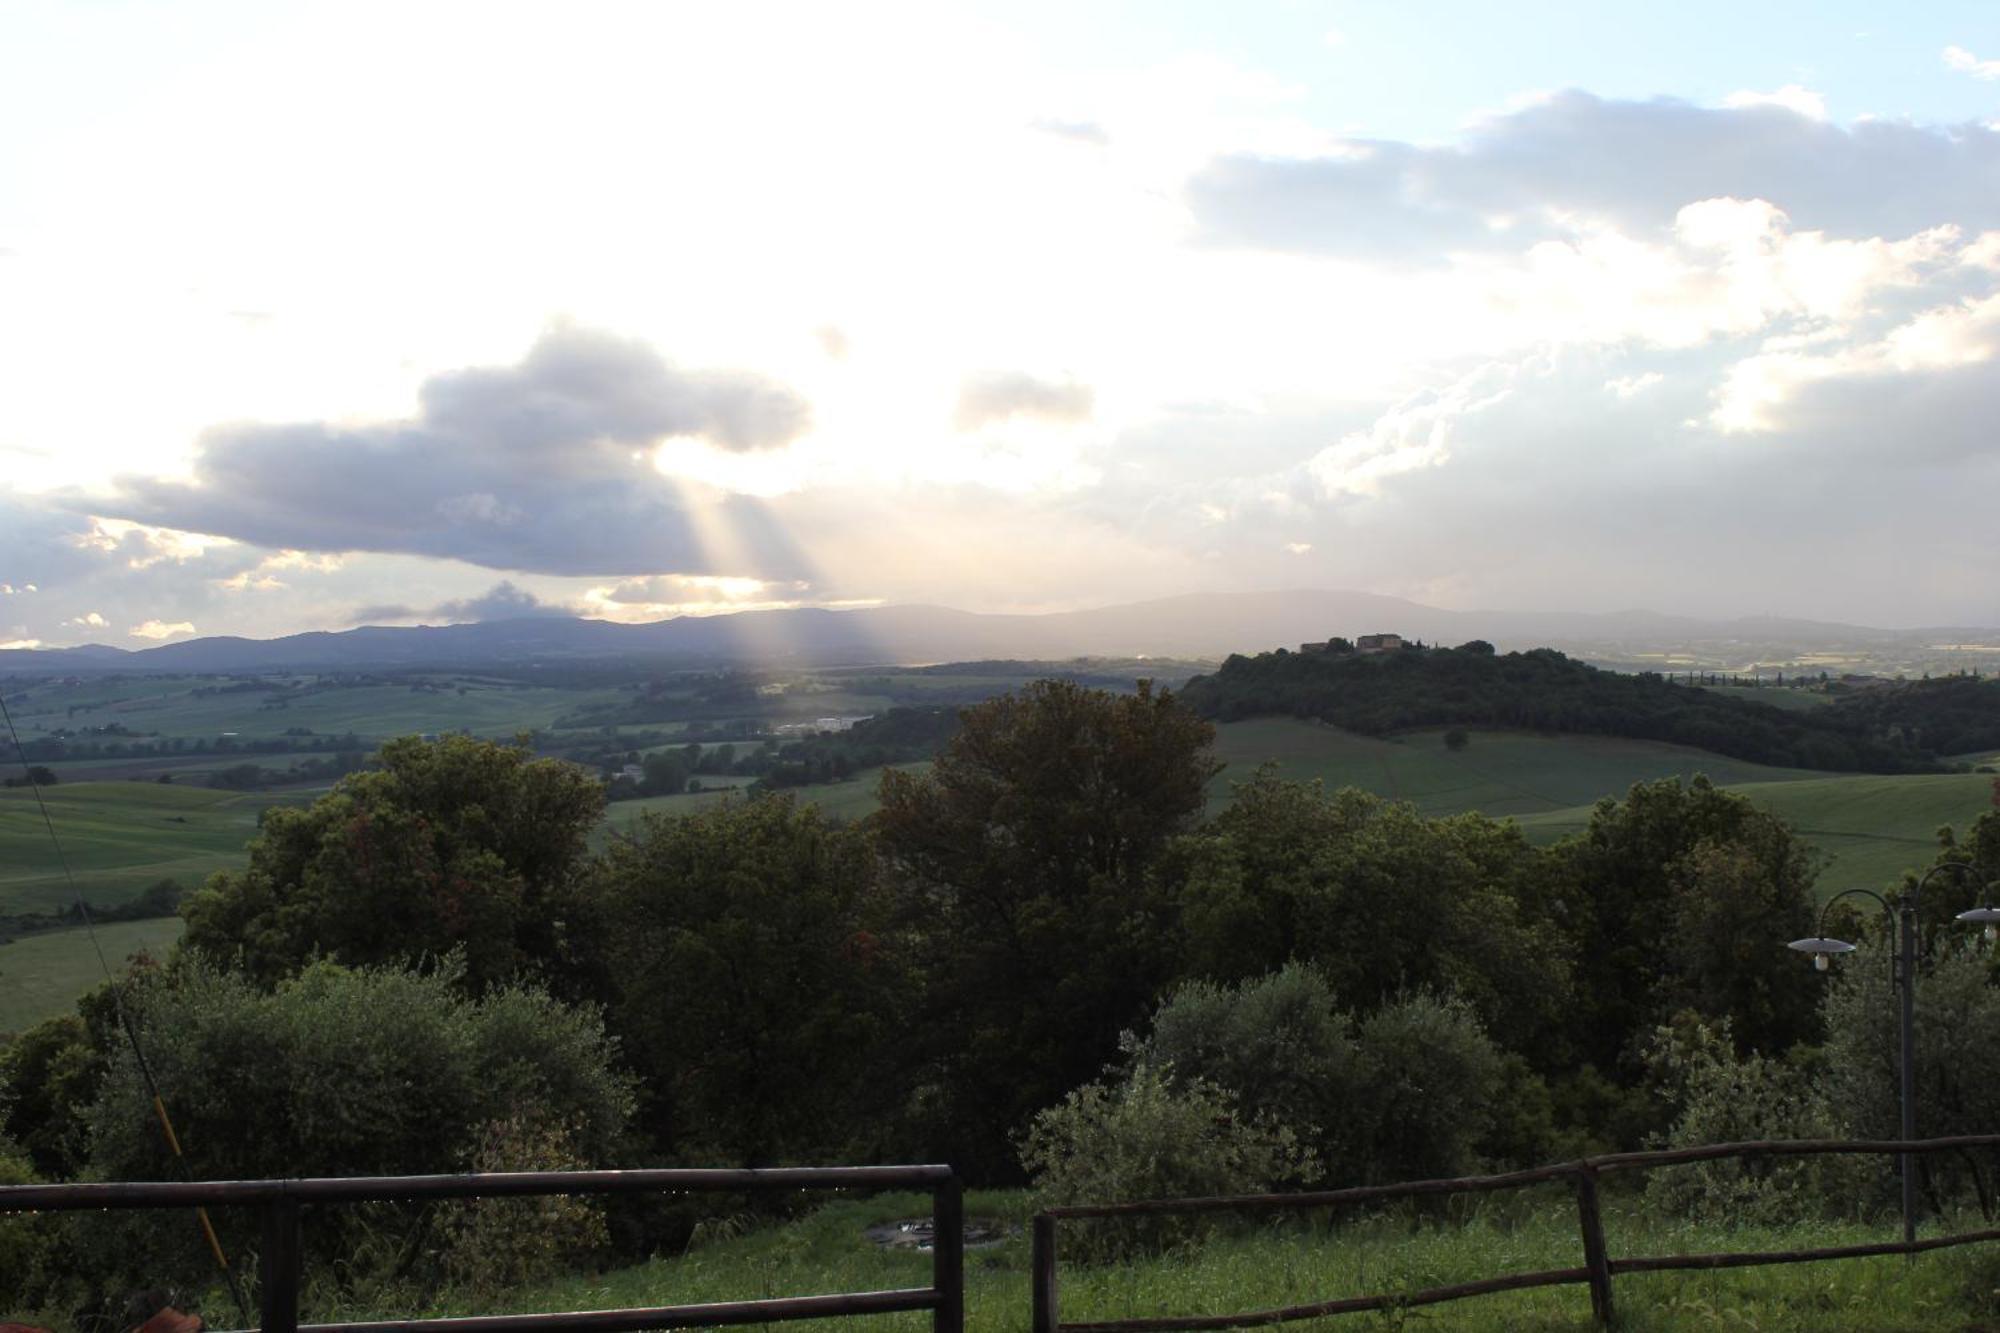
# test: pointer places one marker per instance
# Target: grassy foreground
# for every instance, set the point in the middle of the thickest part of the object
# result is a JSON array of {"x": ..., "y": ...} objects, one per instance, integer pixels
[{"x": 1264, "y": 1268}]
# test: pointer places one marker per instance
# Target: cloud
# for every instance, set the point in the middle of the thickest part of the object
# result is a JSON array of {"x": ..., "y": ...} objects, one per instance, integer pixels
[
  {"x": 1076, "y": 131},
  {"x": 1572, "y": 162},
  {"x": 1792, "y": 97},
  {"x": 544, "y": 467},
  {"x": 89, "y": 620},
  {"x": 1000, "y": 396},
  {"x": 577, "y": 390},
  {"x": 505, "y": 600},
  {"x": 160, "y": 629},
  {"x": 832, "y": 341},
  {"x": 1962, "y": 60}
]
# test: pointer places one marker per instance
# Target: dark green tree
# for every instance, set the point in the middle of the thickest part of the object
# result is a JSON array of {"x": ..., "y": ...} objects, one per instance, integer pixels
[
  {"x": 1681, "y": 896},
  {"x": 750, "y": 981},
  {"x": 1381, "y": 901},
  {"x": 449, "y": 844},
  {"x": 1023, "y": 863}
]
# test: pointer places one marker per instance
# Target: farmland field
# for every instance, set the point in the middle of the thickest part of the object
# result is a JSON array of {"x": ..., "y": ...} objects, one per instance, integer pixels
[
  {"x": 1498, "y": 773},
  {"x": 41, "y": 976},
  {"x": 118, "y": 838},
  {"x": 1871, "y": 828}
]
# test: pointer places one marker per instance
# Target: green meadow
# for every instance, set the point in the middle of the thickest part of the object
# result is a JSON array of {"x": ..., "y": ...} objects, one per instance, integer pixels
[
  {"x": 1261, "y": 1267},
  {"x": 41, "y": 976},
  {"x": 119, "y": 837}
]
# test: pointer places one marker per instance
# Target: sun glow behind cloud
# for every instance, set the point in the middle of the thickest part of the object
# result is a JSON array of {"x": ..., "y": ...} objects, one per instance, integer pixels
[{"x": 1051, "y": 330}]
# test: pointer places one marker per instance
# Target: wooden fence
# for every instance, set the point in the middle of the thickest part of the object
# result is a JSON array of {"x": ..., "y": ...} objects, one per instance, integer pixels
[
  {"x": 279, "y": 1257},
  {"x": 1596, "y": 1270}
]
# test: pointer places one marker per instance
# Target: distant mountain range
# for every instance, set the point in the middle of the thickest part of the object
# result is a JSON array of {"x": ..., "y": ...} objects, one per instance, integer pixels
[{"x": 1200, "y": 626}]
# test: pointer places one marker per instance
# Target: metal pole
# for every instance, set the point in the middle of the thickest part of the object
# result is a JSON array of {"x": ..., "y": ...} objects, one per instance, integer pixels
[{"x": 1907, "y": 982}]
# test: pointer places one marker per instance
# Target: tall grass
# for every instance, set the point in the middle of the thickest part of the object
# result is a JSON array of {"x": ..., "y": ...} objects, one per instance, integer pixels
[{"x": 1277, "y": 1263}]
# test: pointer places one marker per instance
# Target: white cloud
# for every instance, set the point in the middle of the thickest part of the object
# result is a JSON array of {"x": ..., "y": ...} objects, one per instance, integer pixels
[
  {"x": 1299, "y": 548},
  {"x": 1627, "y": 386},
  {"x": 1415, "y": 434},
  {"x": 1962, "y": 60},
  {"x": 160, "y": 629},
  {"x": 1792, "y": 97},
  {"x": 89, "y": 620},
  {"x": 14, "y": 644}
]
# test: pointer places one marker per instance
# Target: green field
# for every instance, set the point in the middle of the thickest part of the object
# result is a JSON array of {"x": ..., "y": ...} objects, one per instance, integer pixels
[
  {"x": 1498, "y": 773},
  {"x": 169, "y": 706},
  {"x": 119, "y": 837},
  {"x": 41, "y": 976},
  {"x": 1870, "y": 828},
  {"x": 1267, "y": 1266}
]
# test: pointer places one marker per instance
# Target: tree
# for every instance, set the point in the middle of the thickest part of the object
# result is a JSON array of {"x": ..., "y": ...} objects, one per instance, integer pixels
[
  {"x": 748, "y": 980},
  {"x": 1456, "y": 739},
  {"x": 1674, "y": 896},
  {"x": 1380, "y": 900},
  {"x": 450, "y": 844},
  {"x": 1022, "y": 862}
]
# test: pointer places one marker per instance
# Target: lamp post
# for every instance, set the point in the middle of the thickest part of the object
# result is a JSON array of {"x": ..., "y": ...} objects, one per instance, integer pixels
[{"x": 1903, "y": 971}]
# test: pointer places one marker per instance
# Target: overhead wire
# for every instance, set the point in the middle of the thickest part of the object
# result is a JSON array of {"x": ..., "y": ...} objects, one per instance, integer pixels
[{"x": 125, "y": 1018}]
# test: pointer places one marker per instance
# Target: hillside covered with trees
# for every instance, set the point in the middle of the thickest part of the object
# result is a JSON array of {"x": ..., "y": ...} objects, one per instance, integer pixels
[
  {"x": 1037, "y": 961},
  {"x": 1893, "y": 729}
]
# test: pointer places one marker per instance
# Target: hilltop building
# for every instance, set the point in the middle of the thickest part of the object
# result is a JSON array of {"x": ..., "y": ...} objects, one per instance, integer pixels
[{"x": 1379, "y": 643}]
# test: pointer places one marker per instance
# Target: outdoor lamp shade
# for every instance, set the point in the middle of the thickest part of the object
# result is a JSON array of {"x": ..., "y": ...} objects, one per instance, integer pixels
[
  {"x": 1988, "y": 917},
  {"x": 1821, "y": 945}
]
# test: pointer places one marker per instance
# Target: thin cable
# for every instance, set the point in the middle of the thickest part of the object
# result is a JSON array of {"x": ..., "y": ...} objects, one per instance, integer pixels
[{"x": 124, "y": 1019}]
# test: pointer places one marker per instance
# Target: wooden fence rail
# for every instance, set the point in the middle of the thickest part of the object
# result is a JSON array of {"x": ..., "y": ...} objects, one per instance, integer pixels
[
  {"x": 1596, "y": 1272},
  {"x": 279, "y": 1256}
]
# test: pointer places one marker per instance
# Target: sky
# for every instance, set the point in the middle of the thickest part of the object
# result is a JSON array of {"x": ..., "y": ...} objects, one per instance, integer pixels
[{"x": 315, "y": 315}]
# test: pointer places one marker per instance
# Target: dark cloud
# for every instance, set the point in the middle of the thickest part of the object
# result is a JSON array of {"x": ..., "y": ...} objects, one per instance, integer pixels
[
  {"x": 1514, "y": 179},
  {"x": 579, "y": 390},
  {"x": 536, "y": 467},
  {"x": 505, "y": 600},
  {"x": 1002, "y": 395}
]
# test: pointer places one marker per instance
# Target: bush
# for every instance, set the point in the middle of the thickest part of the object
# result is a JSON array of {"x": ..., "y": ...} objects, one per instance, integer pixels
[
  {"x": 490, "y": 1244},
  {"x": 1958, "y": 1062},
  {"x": 1721, "y": 1097},
  {"x": 1429, "y": 1078},
  {"x": 1280, "y": 1045},
  {"x": 1148, "y": 1137},
  {"x": 336, "y": 1072}
]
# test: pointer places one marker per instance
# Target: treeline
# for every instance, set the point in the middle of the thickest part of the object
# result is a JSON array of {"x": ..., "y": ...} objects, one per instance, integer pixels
[
  {"x": 1542, "y": 690},
  {"x": 898, "y": 736},
  {"x": 1951, "y": 715},
  {"x": 160, "y": 898},
  {"x": 1036, "y": 961},
  {"x": 61, "y": 745}
]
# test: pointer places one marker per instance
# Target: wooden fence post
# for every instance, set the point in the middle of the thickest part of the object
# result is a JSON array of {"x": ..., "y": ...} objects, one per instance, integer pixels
[
  {"x": 948, "y": 1255},
  {"x": 278, "y": 1267},
  {"x": 1594, "y": 1258},
  {"x": 1048, "y": 1314}
]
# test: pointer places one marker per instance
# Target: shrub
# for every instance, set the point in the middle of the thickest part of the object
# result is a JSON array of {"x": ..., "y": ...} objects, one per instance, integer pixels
[
  {"x": 1148, "y": 1137},
  {"x": 1280, "y": 1045},
  {"x": 1429, "y": 1077},
  {"x": 488, "y": 1244},
  {"x": 1958, "y": 1063},
  {"x": 1721, "y": 1097},
  {"x": 336, "y": 1072}
]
